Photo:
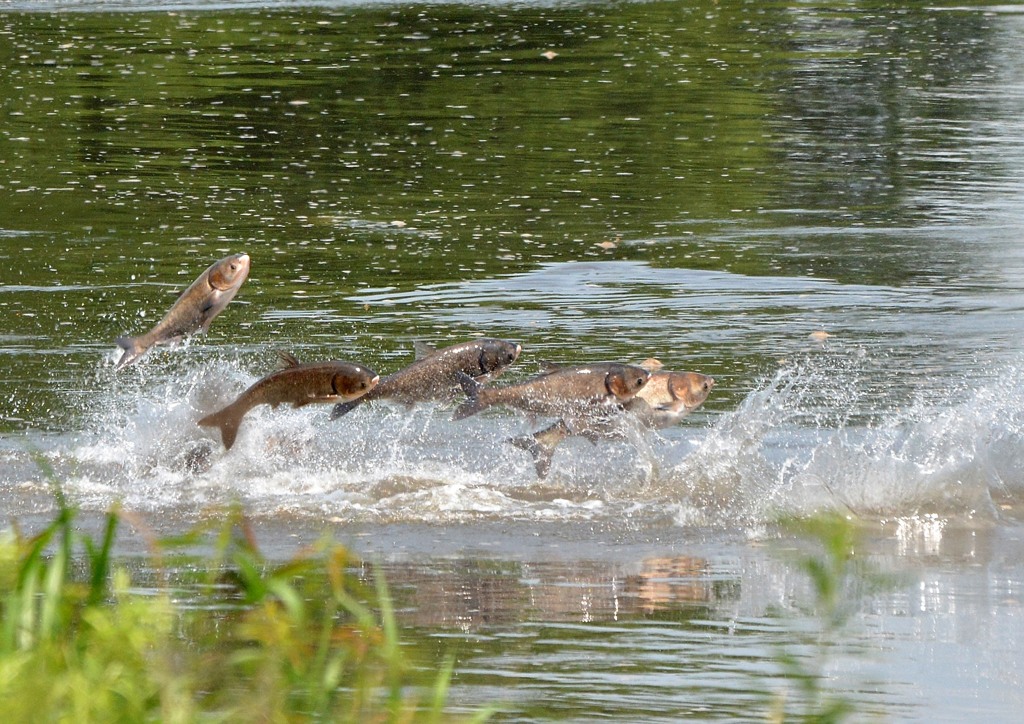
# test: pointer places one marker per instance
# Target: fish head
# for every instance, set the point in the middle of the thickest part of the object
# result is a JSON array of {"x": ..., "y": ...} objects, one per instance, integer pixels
[
  {"x": 496, "y": 355},
  {"x": 687, "y": 390},
  {"x": 690, "y": 387},
  {"x": 229, "y": 272},
  {"x": 624, "y": 381},
  {"x": 670, "y": 396},
  {"x": 351, "y": 381}
]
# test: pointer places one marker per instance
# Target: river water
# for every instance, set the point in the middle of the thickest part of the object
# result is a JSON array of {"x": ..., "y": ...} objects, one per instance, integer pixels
[{"x": 817, "y": 203}]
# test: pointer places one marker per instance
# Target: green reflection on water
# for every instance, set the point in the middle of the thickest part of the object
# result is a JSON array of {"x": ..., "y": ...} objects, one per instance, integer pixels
[{"x": 396, "y": 147}]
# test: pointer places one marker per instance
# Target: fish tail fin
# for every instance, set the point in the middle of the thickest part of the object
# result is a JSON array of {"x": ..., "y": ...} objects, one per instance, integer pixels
[
  {"x": 228, "y": 421},
  {"x": 132, "y": 351},
  {"x": 542, "y": 454},
  {"x": 472, "y": 389},
  {"x": 343, "y": 408}
]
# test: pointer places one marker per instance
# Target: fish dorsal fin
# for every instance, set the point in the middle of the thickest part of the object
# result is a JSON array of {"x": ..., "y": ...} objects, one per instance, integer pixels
[
  {"x": 547, "y": 366},
  {"x": 422, "y": 349},
  {"x": 286, "y": 359},
  {"x": 651, "y": 364}
]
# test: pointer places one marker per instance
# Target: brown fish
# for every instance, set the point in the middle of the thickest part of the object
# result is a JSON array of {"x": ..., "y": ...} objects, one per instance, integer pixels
[
  {"x": 432, "y": 377},
  {"x": 194, "y": 310},
  {"x": 666, "y": 399},
  {"x": 562, "y": 391},
  {"x": 297, "y": 384}
]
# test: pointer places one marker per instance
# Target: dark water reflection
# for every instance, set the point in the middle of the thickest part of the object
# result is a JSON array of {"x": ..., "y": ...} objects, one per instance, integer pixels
[{"x": 710, "y": 184}]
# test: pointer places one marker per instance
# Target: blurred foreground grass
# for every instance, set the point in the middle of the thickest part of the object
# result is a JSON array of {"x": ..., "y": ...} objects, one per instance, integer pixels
[
  {"x": 303, "y": 640},
  {"x": 828, "y": 550}
]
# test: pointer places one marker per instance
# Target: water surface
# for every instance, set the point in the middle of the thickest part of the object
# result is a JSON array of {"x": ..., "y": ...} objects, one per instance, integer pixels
[{"x": 817, "y": 204}]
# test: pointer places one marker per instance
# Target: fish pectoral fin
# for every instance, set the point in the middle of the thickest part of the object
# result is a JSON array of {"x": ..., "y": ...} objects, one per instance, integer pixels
[
  {"x": 212, "y": 305},
  {"x": 343, "y": 408},
  {"x": 542, "y": 454},
  {"x": 472, "y": 404},
  {"x": 206, "y": 315},
  {"x": 131, "y": 351}
]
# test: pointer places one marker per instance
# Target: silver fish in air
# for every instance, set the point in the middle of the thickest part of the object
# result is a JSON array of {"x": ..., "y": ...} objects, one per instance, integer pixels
[
  {"x": 194, "y": 310},
  {"x": 666, "y": 399},
  {"x": 579, "y": 390},
  {"x": 432, "y": 377}
]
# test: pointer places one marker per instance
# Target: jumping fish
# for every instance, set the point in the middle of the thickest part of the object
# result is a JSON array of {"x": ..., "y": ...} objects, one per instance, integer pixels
[
  {"x": 194, "y": 310},
  {"x": 579, "y": 390},
  {"x": 432, "y": 377},
  {"x": 297, "y": 384},
  {"x": 666, "y": 399}
]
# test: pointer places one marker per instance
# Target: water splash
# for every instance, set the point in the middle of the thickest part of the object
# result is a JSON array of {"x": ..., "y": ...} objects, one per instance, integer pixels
[
  {"x": 814, "y": 436},
  {"x": 808, "y": 440}
]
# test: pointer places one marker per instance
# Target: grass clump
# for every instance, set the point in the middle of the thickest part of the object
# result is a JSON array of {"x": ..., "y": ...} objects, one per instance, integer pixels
[
  {"x": 839, "y": 578},
  {"x": 301, "y": 641}
]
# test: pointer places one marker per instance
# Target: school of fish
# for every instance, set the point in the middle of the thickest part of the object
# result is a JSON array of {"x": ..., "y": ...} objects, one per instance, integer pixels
[{"x": 598, "y": 400}]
